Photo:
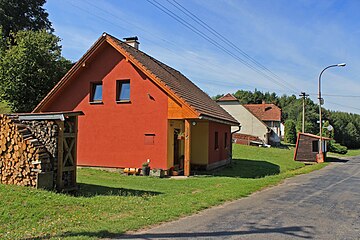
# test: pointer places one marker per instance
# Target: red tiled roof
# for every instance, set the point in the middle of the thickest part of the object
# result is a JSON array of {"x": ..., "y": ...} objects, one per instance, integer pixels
[
  {"x": 179, "y": 84},
  {"x": 265, "y": 111},
  {"x": 172, "y": 79},
  {"x": 227, "y": 98}
]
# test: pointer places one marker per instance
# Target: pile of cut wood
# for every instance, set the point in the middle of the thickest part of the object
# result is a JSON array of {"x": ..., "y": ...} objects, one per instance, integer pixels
[{"x": 22, "y": 155}]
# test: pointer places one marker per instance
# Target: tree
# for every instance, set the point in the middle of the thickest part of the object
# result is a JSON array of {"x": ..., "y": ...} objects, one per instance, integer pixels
[
  {"x": 345, "y": 134},
  {"x": 326, "y": 132},
  {"x": 16, "y": 15},
  {"x": 2, "y": 44},
  {"x": 352, "y": 136},
  {"x": 30, "y": 68},
  {"x": 290, "y": 132}
]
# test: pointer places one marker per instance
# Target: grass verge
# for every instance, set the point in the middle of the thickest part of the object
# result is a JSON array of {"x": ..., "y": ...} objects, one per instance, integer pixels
[
  {"x": 350, "y": 153},
  {"x": 109, "y": 204}
]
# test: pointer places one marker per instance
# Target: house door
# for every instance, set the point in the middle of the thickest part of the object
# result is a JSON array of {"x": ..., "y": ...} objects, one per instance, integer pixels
[
  {"x": 178, "y": 157},
  {"x": 176, "y": 147}
]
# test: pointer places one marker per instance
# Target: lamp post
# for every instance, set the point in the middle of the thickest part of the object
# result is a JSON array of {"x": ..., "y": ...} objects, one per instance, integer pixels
[{"x": 321, "y": 155}]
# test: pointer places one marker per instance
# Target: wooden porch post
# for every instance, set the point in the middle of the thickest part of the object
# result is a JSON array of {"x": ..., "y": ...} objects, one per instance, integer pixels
[
  {"x": 187, "y": 149},
  {"x": 60, "y": 160}
]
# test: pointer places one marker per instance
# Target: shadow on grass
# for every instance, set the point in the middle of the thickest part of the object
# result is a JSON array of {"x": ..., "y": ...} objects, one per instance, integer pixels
[
  {"x": 244, "y": 168},
  {"x": 285, "y": 146},
  {"x": 335, "y": 159},
  {"x": 91, "y": 190},
  {"x": 304, "y": 232}
]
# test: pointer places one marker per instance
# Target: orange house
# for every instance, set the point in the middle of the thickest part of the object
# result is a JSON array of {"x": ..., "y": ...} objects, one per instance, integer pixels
[{"x": 138, "y": 109}]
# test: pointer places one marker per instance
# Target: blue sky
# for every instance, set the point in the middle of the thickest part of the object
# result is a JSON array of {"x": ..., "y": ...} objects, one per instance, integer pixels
[{"x": 289, "y": 42}]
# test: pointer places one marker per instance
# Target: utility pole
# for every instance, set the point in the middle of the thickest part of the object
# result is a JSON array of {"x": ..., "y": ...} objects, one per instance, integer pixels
[{"x": 303, "y": 95}]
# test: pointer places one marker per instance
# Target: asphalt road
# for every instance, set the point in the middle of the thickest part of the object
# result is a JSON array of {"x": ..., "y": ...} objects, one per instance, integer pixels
[{"x": 324, "y": 204}]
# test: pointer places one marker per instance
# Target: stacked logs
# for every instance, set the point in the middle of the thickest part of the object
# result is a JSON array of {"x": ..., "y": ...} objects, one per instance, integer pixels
[
  {"x": 22, "y": 156},
  {"x": 46, "y": 132}
]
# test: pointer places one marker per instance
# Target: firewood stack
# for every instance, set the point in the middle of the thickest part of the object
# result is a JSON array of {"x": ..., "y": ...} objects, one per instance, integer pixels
[
  {"x": 47, "y": 133},
  {"x": 22, "y": 155}
]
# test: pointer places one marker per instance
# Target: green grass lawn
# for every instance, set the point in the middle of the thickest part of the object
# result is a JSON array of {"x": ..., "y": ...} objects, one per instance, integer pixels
[
  {"x": 109, "y": 204},
  {"x": 4, "y": 108},
  {"x": 350, "y": 153}
]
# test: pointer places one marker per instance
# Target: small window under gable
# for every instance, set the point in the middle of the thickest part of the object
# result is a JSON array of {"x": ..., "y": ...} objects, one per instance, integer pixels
[
  {"x": 96, "y": 92},
  {"x": 123, "y": 90}
]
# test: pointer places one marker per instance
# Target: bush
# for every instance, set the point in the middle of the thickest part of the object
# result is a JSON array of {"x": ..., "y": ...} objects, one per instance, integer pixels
[
  {"x": 290, "y": 132},
  {"x": 337, "y": 148}
]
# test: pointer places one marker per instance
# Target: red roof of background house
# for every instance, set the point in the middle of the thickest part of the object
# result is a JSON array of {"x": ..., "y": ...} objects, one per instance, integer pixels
[
  {"x": 227, "y": 98},
  {"x": 265, "y": 111},
  {"x": 169, "y": 77}
]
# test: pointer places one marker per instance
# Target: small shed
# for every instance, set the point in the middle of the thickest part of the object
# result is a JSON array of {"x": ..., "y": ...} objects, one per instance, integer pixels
[
  {"x": 308, "y": 146},
  {"x": 39, "y": 150}
]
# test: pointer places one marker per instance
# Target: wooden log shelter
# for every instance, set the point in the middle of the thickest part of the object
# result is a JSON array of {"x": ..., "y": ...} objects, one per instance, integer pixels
[{"x": 39, "y": 150}]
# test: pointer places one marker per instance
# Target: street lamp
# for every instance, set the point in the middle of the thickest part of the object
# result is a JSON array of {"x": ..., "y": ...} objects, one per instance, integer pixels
[{"x": 321, "y": 101}]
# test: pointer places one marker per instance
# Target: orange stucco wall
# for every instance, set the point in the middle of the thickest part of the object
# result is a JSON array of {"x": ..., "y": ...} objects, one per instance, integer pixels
[
  {"x": 222, "y": 152},
  {"x": 113, "y": 134}
]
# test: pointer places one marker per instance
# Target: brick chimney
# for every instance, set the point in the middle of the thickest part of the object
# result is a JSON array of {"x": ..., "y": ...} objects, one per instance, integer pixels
[{"x": 132, "y": 41}]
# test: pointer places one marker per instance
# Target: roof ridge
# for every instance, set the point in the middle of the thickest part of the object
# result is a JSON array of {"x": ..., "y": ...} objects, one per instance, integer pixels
[
  {"x": 168, "y": 78},
  {"x": 165, "y": 66},
  {"x": 160, "y": 63}
]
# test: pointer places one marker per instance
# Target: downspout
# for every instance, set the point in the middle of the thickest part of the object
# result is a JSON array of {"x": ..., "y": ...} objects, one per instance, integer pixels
[
  {"x": 268, "y": 135},
  {"x": 231, "y": 145}
]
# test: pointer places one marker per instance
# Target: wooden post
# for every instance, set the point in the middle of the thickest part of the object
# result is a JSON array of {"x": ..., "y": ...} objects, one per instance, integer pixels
[
  {"x": 187, "y": 149},
  {"x": 75, "y": 147},
  {"x": 60, "y": 163}
]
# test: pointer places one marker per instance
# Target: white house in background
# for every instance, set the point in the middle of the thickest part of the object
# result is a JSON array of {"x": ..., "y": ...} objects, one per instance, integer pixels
[
  {"x": 282, "y": 130},
  {"x": 260, "y": 120}
]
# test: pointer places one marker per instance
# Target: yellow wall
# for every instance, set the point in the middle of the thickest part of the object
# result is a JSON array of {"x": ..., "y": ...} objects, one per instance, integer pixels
[
  {"x": 200, "y": 143},
  {"x": 174, "y": 124}
]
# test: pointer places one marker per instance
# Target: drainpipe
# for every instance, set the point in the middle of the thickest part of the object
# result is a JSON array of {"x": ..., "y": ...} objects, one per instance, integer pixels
[
  {"x": 231, "y": 147},
  {"x": 268, "y": 134}
]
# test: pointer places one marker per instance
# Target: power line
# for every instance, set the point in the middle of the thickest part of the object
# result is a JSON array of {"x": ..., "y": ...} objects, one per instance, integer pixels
[
  {"x": 218, "y": 83},
  {"x": 131, "y": 23},
  {"x": 156, "y": 43},
  {"x": 337, "y": 95},
  {"x": 212, "y": 41},
  {"x": 201, "y": 64},
  {"x": 223, "y": 39},
  {"x": 346, "y": 106}
]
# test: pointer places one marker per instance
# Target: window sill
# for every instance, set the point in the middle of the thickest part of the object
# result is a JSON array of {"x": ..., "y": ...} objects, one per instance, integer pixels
[
  {"x": 123, "y": 101},
  {"x": 96, "y": 102}
]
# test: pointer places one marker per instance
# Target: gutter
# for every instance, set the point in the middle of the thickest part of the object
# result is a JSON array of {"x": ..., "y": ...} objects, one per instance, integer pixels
[
  {"x": 231, "y": 145},
  {"x": 204, "y": 117}
]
